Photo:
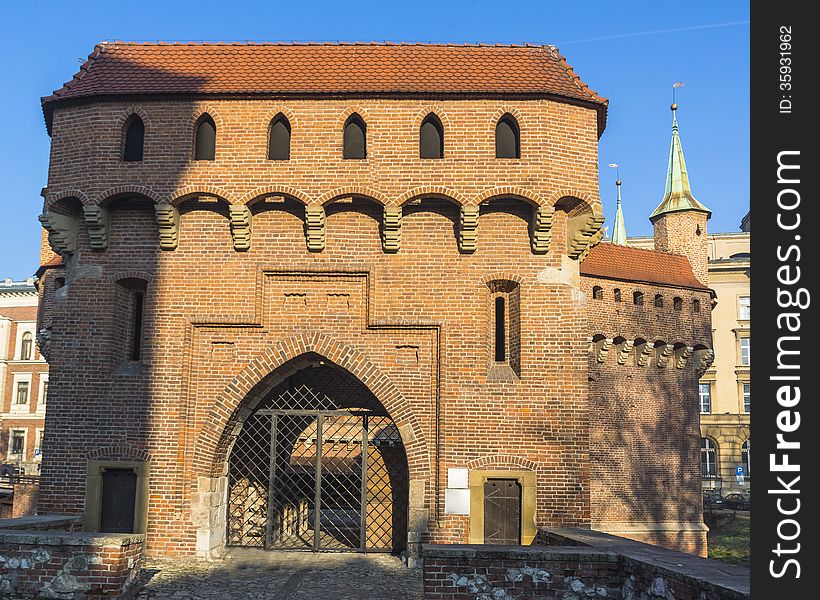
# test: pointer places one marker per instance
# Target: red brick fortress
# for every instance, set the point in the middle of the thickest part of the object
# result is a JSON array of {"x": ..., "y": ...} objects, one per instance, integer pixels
[{"x": 238, "y": 223}]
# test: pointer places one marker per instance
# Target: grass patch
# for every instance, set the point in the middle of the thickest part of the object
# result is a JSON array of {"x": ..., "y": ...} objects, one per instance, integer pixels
[{"x": 730, "y": 542}]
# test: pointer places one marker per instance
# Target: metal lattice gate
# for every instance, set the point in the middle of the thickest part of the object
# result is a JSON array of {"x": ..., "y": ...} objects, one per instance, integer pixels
[{"x": 314, "y": 479}]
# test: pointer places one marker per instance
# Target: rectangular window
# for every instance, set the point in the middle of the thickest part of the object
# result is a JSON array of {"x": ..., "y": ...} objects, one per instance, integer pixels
[
  {"x": 747, "y": 398},
  {"x": 136, "y": 334},
  {"x": 500, "y": 330},
  {"x": 745, "y": 351},
  {"x": 22, "y": 392},
  {"x": 17, "y": 443},
  {"x": 744, "y": 311},
  {"x": 45, "y": 392},
  {"x": 705, "y": 391},
  {"x": 708, "y": 459}
]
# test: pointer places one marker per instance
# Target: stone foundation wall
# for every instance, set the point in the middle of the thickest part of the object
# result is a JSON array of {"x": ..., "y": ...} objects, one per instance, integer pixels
[
  {"x": 462, "y": 572},
  {"x": 75, "y": 565},
  {"x": 576, "y": 565}
]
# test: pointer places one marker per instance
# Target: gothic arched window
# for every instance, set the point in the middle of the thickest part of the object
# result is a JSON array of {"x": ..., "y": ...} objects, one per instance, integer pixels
[
  {"x": 205, "y": 139},
  {"x": 507, "y": 139}
]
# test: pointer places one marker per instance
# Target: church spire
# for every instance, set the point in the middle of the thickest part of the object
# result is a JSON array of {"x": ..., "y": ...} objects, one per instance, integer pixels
[
  {"x": 677, "y": 195},
  {"x": 619, "y": 229}
]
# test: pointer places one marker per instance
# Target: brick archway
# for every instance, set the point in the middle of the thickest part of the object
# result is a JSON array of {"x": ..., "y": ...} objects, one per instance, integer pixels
[
  {"x": 240, "y": 397},
  {"x": 213, "y": 443}
]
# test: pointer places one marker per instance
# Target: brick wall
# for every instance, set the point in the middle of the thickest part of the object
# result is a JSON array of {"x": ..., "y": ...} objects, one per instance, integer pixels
[
  {"x": 576, "y": 565},
  {"x": 218, "y": 321},
  {"x": 684, "y": 233},
  {"x": 413, "y": 326},
  {"x": 24, "y": 498},
  {"x": 558, "y": 149},
  {"x": 644, "y": 435},
  {"x": 58, "y": 564}
]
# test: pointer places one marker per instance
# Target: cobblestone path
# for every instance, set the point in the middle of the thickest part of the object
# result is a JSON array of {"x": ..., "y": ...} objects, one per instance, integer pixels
[{"x": 266, "y": 575}]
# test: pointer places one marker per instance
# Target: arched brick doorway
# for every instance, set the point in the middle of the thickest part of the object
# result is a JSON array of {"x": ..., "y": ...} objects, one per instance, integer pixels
[{"x": 318, "y": 465}]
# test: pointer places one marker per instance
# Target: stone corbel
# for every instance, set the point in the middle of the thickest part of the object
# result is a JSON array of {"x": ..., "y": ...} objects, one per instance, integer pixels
[
  {"x": 391, "y": 229},
  {"x": 602, "y": 348},
  {"x": 542, "y": 229},
  {"x": 642, "y": 353},
  {"x": 168, "y": 224},
  {"x": 44, "y": 341},
  {"x": 682, "y": 356},
  {"x": 315, "y": 227},
  {"x": 240, "y": 226},
  {"x": 468, "y": 229},
  {"x": 625, "y": 350},
  {"x": 585, "y": 236},
  {"x": 594, "y": 240},
  {"x": 663, "y": 354},
  {"x": 62, "y": 231},
  {"x": 97, "y": 219},
  {"x": 703, "y": 360}
]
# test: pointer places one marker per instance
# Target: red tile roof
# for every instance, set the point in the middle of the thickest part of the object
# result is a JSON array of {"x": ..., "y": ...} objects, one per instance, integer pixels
[
  {"x": 610, "y": 261},
  {"x": 120, "y": 68},
  {"x": 55, "y": 261}
]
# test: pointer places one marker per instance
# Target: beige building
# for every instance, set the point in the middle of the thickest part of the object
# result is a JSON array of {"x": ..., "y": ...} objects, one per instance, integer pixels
[
  {"x": 23, "y": 378},
  {"x": 725, "y": 389}
]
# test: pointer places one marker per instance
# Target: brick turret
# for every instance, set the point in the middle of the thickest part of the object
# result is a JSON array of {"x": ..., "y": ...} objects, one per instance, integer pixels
[{"x": 680, "y": 220}]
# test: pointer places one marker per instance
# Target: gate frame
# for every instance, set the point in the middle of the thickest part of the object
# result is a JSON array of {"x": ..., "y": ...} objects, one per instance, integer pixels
[
  {"x": 527, "y": 481},
  {"x": 208, "y": 467},
  {"x": 320, "y": 414}
]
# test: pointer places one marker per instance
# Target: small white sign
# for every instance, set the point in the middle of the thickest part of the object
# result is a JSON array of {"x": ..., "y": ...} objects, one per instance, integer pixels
[
  {"x": 457, "y": 479},
  {"x": 457, "y": 501}
]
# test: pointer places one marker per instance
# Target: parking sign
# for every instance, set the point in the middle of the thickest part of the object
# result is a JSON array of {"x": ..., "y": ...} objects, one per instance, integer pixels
[{"x": 739, "y": 471}]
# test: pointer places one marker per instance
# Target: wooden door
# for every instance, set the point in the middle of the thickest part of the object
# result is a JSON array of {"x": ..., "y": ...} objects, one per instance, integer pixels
[
  {"x": 502, "y": 511},
  {"x": 119, "y": 493}
]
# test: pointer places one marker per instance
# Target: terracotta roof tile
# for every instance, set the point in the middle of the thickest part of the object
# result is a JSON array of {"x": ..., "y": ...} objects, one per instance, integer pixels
[
  {"x": 610, "y": 261},
  {"x": 125, "y": 68}
]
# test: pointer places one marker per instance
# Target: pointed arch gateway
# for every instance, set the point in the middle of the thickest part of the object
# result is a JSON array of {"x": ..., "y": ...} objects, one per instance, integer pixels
[{"x": 318, "y": 464}]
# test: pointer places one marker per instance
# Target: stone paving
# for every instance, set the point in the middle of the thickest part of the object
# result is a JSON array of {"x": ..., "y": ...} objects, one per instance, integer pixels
[{"x": 267, "y": 575}]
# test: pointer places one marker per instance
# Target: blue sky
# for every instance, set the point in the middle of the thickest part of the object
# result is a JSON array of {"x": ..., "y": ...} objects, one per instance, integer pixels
[{"x": 629, "y": 52}]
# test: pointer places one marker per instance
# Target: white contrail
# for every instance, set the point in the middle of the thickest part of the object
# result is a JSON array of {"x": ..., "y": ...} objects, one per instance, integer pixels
[{"x": 656, "y": 32}]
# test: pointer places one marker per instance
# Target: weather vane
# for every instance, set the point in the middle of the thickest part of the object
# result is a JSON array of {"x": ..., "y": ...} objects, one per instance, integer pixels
[
  {"x": 616, "y": 166},
  {"x": 675, "y": 86}
]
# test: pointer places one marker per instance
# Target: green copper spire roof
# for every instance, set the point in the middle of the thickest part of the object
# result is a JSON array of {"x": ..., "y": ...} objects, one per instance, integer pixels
[
  {"x": 619, "y": 233},
  {"x": 678, "y": 195}
]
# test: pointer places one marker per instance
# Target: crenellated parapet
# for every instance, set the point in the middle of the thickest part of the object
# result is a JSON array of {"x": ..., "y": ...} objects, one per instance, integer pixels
[
  {"x": 583, "y": 228},
  {"x": 638, "y": 352}
]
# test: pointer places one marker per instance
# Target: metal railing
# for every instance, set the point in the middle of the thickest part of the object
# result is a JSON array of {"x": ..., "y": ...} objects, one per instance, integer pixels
[{"x": 10, "y": 480}]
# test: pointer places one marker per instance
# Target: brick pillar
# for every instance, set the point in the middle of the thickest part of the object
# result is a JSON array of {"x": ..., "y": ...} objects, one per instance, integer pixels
[{"x": 25, "y": 499}]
